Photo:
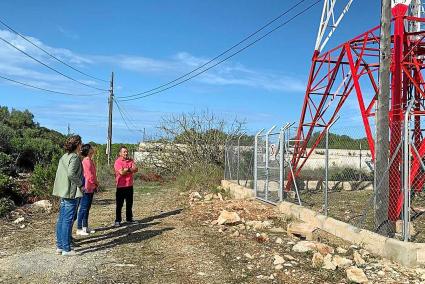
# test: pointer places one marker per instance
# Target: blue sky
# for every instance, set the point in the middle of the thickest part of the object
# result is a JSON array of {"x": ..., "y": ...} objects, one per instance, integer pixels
[{"x": 147, "y": 43}]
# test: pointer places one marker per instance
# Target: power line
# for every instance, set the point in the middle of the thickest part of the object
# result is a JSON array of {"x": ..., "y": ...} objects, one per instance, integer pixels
[
  {"x": 47, "y": 90},
  {"x": 125, "y": 114},
  {"x": 221, "y": 54},
  {"x": 123, "y": 117},
  {"x": 226, "y": 58},
  {"x": 47, "y": 66},
  {"x": 48, "y": 53}
]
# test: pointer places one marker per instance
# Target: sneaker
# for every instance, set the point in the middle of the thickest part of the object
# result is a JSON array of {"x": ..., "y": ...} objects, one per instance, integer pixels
[
  {"x": 82, "y": 232},
  {"x": 69, "y": 253},
  {"x": 117, "y": 224},
  {"x": 89, "y": 230},
  {"x": 59, "y": 251}
]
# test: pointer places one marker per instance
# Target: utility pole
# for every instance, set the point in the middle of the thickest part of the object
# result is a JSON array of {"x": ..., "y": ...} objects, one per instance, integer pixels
[
  {"x": 111, "y": 107},
  {"x": 69, "y": 130},
  {"x": 382, "y": 124}
]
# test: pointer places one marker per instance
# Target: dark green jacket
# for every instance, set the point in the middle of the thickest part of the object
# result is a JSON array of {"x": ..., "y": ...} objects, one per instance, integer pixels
[{"x": 69, "y": 177}]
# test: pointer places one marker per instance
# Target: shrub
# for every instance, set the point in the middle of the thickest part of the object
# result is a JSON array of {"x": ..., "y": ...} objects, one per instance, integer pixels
[
  {"x": 42, "y": 180},
  {"x": 9, "y": 189},
  {"x": 6, "y": 205},
  {"x": 199, "y": 177},
  {"x": 6, "y": 164}
]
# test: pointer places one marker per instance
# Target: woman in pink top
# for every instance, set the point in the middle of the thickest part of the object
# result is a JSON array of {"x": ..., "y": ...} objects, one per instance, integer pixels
[{"x": 90, "y": 186}]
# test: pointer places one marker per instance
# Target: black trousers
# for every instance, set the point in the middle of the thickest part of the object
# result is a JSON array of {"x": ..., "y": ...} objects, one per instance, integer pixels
[{"x": 124, "y": 193}]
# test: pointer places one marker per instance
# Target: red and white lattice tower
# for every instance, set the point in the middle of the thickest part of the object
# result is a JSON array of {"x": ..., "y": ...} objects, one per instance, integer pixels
[{"x": 350, "y": 69}]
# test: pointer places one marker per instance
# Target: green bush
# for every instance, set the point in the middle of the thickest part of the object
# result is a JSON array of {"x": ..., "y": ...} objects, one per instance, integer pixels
[
  {"x": 9, "y": 189},
  {"x": 6, "y": 164},
  {"x": 42, "y": 180},
  {"x": 199, "y": 177},
  {"x": 6, "y": 205}
]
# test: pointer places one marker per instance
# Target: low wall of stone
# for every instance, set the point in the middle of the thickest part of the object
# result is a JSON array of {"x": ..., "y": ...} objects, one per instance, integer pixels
[{"x": 406, "y": 253}]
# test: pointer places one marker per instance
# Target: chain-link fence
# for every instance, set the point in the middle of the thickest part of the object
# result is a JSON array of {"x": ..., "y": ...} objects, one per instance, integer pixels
[
  {"x": 239, "y": 161},
  {"x": 338, "y": 177}
]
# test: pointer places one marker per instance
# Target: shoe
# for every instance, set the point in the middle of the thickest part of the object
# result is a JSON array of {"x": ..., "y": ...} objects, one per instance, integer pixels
[
  {"x": 89, "y": 230},
  {"x": 82, "y": 232},
  {"x": 117, "y": 224},
  {"x": 59, "y": 251},
  {"x": 69, "y": 253}
]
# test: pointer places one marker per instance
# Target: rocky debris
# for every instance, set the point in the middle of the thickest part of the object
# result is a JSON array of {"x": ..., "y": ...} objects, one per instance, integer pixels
[
  {"x": 364, "y": 253},
  {"x": 22, "y": 226},
  {"x": 261, "y": 238},
  {"x": 277, "y": 230},
  {"x": 341, "y": 262},
  {"x": 289, "y": 257},
  {"x": 317, "y": 260},
  {"x": 44, "y": 205},
  {"x": 235, "y": 234},
  {"x": 194, "y": 196},
  {"x": 302, "y": 230},
  {"x": 305, "y": 246},
  {"x": 278, "y": 260},
  {"x": 208, "y": 197},
  {"x": 227, "y": 217},
  {"x": 279, "y": 241},
  {"x": 341, "y": 250},
  {"x": 356, "y": 275},
  {"x": 358, "y": 259},
  {"x": 19, "y": 220},
  {"x": 218, "y": 196},
  {"x": 327, "y": 263},
  {"x": 259, "y": 225},
  {"x": 278, "y": 267},
  {"x": 247, "y": 255}
]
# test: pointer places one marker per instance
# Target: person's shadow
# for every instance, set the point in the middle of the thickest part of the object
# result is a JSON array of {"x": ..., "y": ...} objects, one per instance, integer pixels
[{"x": 131, "y": 233}]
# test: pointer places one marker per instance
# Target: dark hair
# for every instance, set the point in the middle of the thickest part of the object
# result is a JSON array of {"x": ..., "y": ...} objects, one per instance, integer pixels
[
  {"x": 72, "y": 143},
  {"x": 122, "y": 147},
  {"x": 85, "y": 150}
]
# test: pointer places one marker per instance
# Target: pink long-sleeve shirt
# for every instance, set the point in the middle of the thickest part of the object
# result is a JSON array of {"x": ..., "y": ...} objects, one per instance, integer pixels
[
  {"x": 89, "y": 170},
  {"x": 127, "y": 179}
]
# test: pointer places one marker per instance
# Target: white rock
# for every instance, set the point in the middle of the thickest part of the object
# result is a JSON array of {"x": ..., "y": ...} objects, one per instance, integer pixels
[
  {"x": 195, "y": 196},
  {"x": 278, "y": 267},
  {"x": 208, "y": 197},
  {"x": 327, "y": 263},
  {"x": 289, "y": 257},
  {"x": 19, "y": 220},
  {"x": 22, "y": 226},
  {"x": 279, "y": 241},
  {"x": 278, "y": 259},
  {"x": 228, "y": 218},
  {"x": 341, "y": 262},
  {"x": 358, "y": 259},
  {"x": 341, "y": 250},
  {"x": 46, "y": 205},
  {"x": 381, "y": 273},
  {"x": 356, "y": 275},
  {"x": 247, "y": 255},
  {"x": 304, "y": 246}
]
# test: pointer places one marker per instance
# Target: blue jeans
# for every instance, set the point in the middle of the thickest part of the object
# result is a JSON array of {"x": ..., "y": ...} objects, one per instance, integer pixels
[
  {"x": 68, "y": 207},
  {"x": 83, "y": 213}
]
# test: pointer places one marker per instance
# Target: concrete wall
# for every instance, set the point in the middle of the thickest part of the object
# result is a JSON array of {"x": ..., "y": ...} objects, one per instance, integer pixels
[{"x": 406, "y": 253}]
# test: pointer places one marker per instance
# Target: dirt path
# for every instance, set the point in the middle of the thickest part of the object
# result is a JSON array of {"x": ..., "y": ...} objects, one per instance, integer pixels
[{"x": 172, "y": 242}]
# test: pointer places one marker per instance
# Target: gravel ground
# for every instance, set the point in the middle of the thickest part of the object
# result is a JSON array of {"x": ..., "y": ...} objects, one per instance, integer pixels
[{"x": 176, "y": 240}]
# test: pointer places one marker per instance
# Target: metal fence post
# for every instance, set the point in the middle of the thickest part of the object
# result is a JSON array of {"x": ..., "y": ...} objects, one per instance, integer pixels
[
  {"x": 406, "y": 173},
  {"x": 239, "y": 158},
  {"x": 281, "y": 166},
  {"x": 267, "y": 161},
  {"x": 256, "y": 161}
]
